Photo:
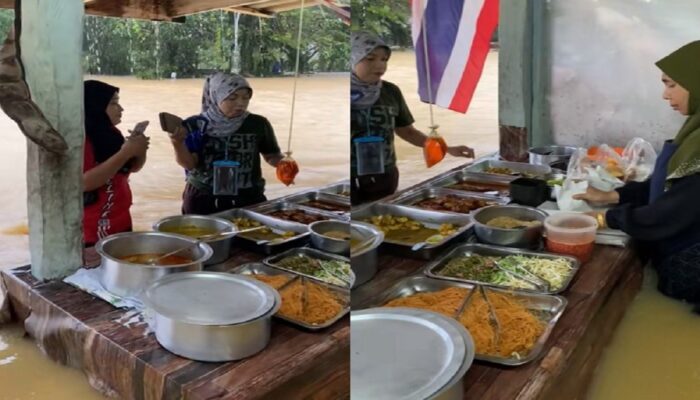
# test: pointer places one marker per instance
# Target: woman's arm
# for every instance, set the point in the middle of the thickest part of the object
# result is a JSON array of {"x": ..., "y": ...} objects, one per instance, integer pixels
[
  {"x": 183, "y": 156},
  {"x": 672, "y": 213},
  {"x": 417, "y": 138},
  {"x": 273, "y": 159},
  {"x": 100, "y": 174}
]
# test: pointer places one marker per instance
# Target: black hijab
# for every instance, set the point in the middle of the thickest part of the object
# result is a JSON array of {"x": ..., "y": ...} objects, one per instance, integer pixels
[{"x": 106, "y": 139}]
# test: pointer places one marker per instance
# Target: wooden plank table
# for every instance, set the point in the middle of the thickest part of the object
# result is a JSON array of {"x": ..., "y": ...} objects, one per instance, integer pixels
[{"x": 76, "y": 329}]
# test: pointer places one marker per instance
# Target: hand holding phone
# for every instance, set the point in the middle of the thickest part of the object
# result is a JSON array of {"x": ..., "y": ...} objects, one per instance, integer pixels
[
  {"x": 169, "y": 122},
  {"x": 140, "y": 128}
]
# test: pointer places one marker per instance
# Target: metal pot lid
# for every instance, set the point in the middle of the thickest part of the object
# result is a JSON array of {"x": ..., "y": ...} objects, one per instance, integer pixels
[
  {"x": 210, "y": 298},
  {"x": 404, "y": 353}
]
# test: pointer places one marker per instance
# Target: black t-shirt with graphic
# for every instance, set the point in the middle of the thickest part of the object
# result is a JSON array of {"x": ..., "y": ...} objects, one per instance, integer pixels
[
  {"x": 254, "y": 137},
  {"x": 387, "y": 113}
]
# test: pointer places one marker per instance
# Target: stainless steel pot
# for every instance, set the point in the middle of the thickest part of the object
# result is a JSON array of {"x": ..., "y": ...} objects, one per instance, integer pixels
[
  {"x": 553, "y": 156},
  {"x": 523, "y": 237},
  {"x": 221, "y": 247},
  {"x": 126, "y": 279},
  {"x": 211, "y": 316},
  {"x": 329, "y": 244},
  {"x": 364, "y": 262}
]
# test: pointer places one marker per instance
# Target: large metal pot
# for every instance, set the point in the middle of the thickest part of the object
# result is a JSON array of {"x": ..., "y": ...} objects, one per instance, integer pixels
[
  {"x": 211, "y": 316},
  {"x": 521, "y": 237},
  {"x": 554, "y": 156},
  {"x": 126, "y": 279},
  {"x": 364, "y": 261},
  {"x": 221, "y": 247},
  {"x": 332, "y": 245}
]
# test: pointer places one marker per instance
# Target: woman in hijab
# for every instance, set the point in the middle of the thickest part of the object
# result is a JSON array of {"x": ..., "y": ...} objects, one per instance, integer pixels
[
  {"x": 221, "y": 149},
  {"x": 109, "y": 158},
  {"x": 378, "y": 111},
  {"x": 663, "y": 212}
]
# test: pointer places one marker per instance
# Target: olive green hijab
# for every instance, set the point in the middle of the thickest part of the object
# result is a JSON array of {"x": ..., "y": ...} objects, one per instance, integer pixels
[{"x": 683, "y": 66}]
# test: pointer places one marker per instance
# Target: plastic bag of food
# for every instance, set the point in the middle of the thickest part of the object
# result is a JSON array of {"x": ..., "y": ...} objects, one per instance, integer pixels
[
  {"x": 640, "y": 159},
  {"x": 287, "y": 169},
  {"x": 600, "y": 178},
  {"x": 578, "y": 163},
  {"x": 609, "y": 159},
  {"x": 565, "y": 200},
  {"x": 434, "y": 148}
]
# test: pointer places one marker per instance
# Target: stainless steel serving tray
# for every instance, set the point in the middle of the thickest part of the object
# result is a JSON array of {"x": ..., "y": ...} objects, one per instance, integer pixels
[
  {"x": 337, "y": 189},
  {"x": 464, "y": 250},
  {"x": 462, "y": 176},
  {"x": 283, "y": 205},
  {"x": 547, "y": 307},
  {"x": 309, "y": 252},
  {"x": 431, "y": 219},
  {"x": 342, "y": 203},
  {"x": 415, "y": 196},
  {"x": 342, "y": 294},
  {"x": 271, "y": 222},
  {"x": 538, "y": 171}
]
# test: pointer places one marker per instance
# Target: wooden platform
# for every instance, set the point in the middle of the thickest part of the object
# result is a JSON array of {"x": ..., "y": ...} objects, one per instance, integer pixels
[
  {"x": 598, "y": 298},
  {"x": 79, "y": 330}
]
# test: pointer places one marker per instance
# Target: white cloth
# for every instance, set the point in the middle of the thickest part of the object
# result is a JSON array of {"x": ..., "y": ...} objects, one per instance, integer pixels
[{"x": 89, "y": 281}]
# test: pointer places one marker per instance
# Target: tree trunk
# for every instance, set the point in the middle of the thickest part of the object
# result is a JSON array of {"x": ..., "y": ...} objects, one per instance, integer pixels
[{"x": 51, "y": 42}]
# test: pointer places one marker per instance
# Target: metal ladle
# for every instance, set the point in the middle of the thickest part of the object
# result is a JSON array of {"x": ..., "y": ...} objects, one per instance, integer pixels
[{"x": 200, "y": 240}]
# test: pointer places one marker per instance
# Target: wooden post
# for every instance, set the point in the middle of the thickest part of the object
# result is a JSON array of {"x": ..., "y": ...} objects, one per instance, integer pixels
[
  {"x": 50, "y": 39},
  {"x": 523, "y": 78}
]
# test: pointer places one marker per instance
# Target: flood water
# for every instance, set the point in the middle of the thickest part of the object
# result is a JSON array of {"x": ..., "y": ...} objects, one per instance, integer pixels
[{"x": 653, "y": 355}]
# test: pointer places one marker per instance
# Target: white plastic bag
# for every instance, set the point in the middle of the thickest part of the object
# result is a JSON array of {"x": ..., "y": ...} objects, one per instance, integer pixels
[
  {"x": 565, "y": 200},
  {"x": 640, "y": 159},
  {"x": 601, "y": 179}
]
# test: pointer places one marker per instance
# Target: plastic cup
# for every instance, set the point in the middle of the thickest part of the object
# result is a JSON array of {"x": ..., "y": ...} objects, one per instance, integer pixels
[{"x": 571, "y": 234}]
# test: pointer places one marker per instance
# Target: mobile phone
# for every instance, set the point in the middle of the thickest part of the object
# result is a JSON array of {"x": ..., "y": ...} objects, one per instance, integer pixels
[
  {"x": 169, "y": 122},
  {"x": 140, "y": 128}
]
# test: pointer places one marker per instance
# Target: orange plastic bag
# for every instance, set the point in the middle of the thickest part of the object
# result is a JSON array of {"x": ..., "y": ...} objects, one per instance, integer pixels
[
  {"x": 434, "y": 148},
  {"x": 287, "y": 169}
]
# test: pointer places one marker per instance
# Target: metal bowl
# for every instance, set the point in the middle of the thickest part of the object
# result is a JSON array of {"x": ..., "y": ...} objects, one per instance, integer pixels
[
  {"x": 329, "y": 244},
  {"x": 553, "y": 156},
  {"x": 522, "y": 237},
  {"x": 126, "y": 279},
  {"x": 364, "y": 261},
  {"x": 221, "y": 247}
]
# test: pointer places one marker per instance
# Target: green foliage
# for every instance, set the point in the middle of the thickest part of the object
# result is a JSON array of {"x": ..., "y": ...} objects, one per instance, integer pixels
[
  {"x": 388, "y": 19},
  {"x": 205, "y": 42}
]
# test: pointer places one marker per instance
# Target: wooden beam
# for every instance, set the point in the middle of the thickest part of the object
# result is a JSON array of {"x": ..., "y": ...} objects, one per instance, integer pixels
[
  {"x": 293, "y": 5},
  {"x": 186, "y": 7},
  {"x": 250, "y": 11},
  {"x": 50, "y": 39}
]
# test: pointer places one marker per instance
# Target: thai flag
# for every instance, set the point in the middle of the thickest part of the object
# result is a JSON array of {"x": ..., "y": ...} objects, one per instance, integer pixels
[{"x": 459, "y": 38}]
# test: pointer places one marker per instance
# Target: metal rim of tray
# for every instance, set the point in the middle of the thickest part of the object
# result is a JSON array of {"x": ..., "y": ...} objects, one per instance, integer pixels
[
  {"x": 270, "y": 261},
  {"x": 459, "y": 251},
  {"x": 345, "y": 292},
  {"x": 250, "y": 214}
]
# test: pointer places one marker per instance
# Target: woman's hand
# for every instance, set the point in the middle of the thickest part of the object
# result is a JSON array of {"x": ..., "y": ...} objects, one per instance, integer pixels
[
  {"x": 136, "y": 145},
  {"x": 178, "y": 137},
  {"x": 595, "y": 196},
  {"x": 461, "y": 151}
]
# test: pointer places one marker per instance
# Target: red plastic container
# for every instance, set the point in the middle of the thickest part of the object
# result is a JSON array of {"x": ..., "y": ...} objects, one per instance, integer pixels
[{"x": 571, "y": 234}]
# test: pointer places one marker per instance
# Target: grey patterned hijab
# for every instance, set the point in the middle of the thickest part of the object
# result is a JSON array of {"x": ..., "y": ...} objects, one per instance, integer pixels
[
  {"x": 363, "y": 95},
  {"x": 218, "y": 87}
]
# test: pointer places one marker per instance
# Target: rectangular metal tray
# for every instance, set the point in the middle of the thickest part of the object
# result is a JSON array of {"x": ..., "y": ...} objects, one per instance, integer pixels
[
  {"x": 341, "y": 202},
  {"x": 309, "y": 252},
  {"x": 413, "y": 197},
  {"x": 487, "y": 250},
  {"x": 341, "y": 293},
  {"x": 538, "y": 171},
  {"x": 275, "y": 224},
  {"x": 463, "y": 176},
  {"x": 337, "y": 189},
  {"x": 270, "y": 207},
  {"x": 549, "y": 308},
  {"x": 431, "y": 219}
]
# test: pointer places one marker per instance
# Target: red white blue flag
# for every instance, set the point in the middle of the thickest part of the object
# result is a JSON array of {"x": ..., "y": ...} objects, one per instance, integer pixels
[{"x": 458, "y": 41}]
